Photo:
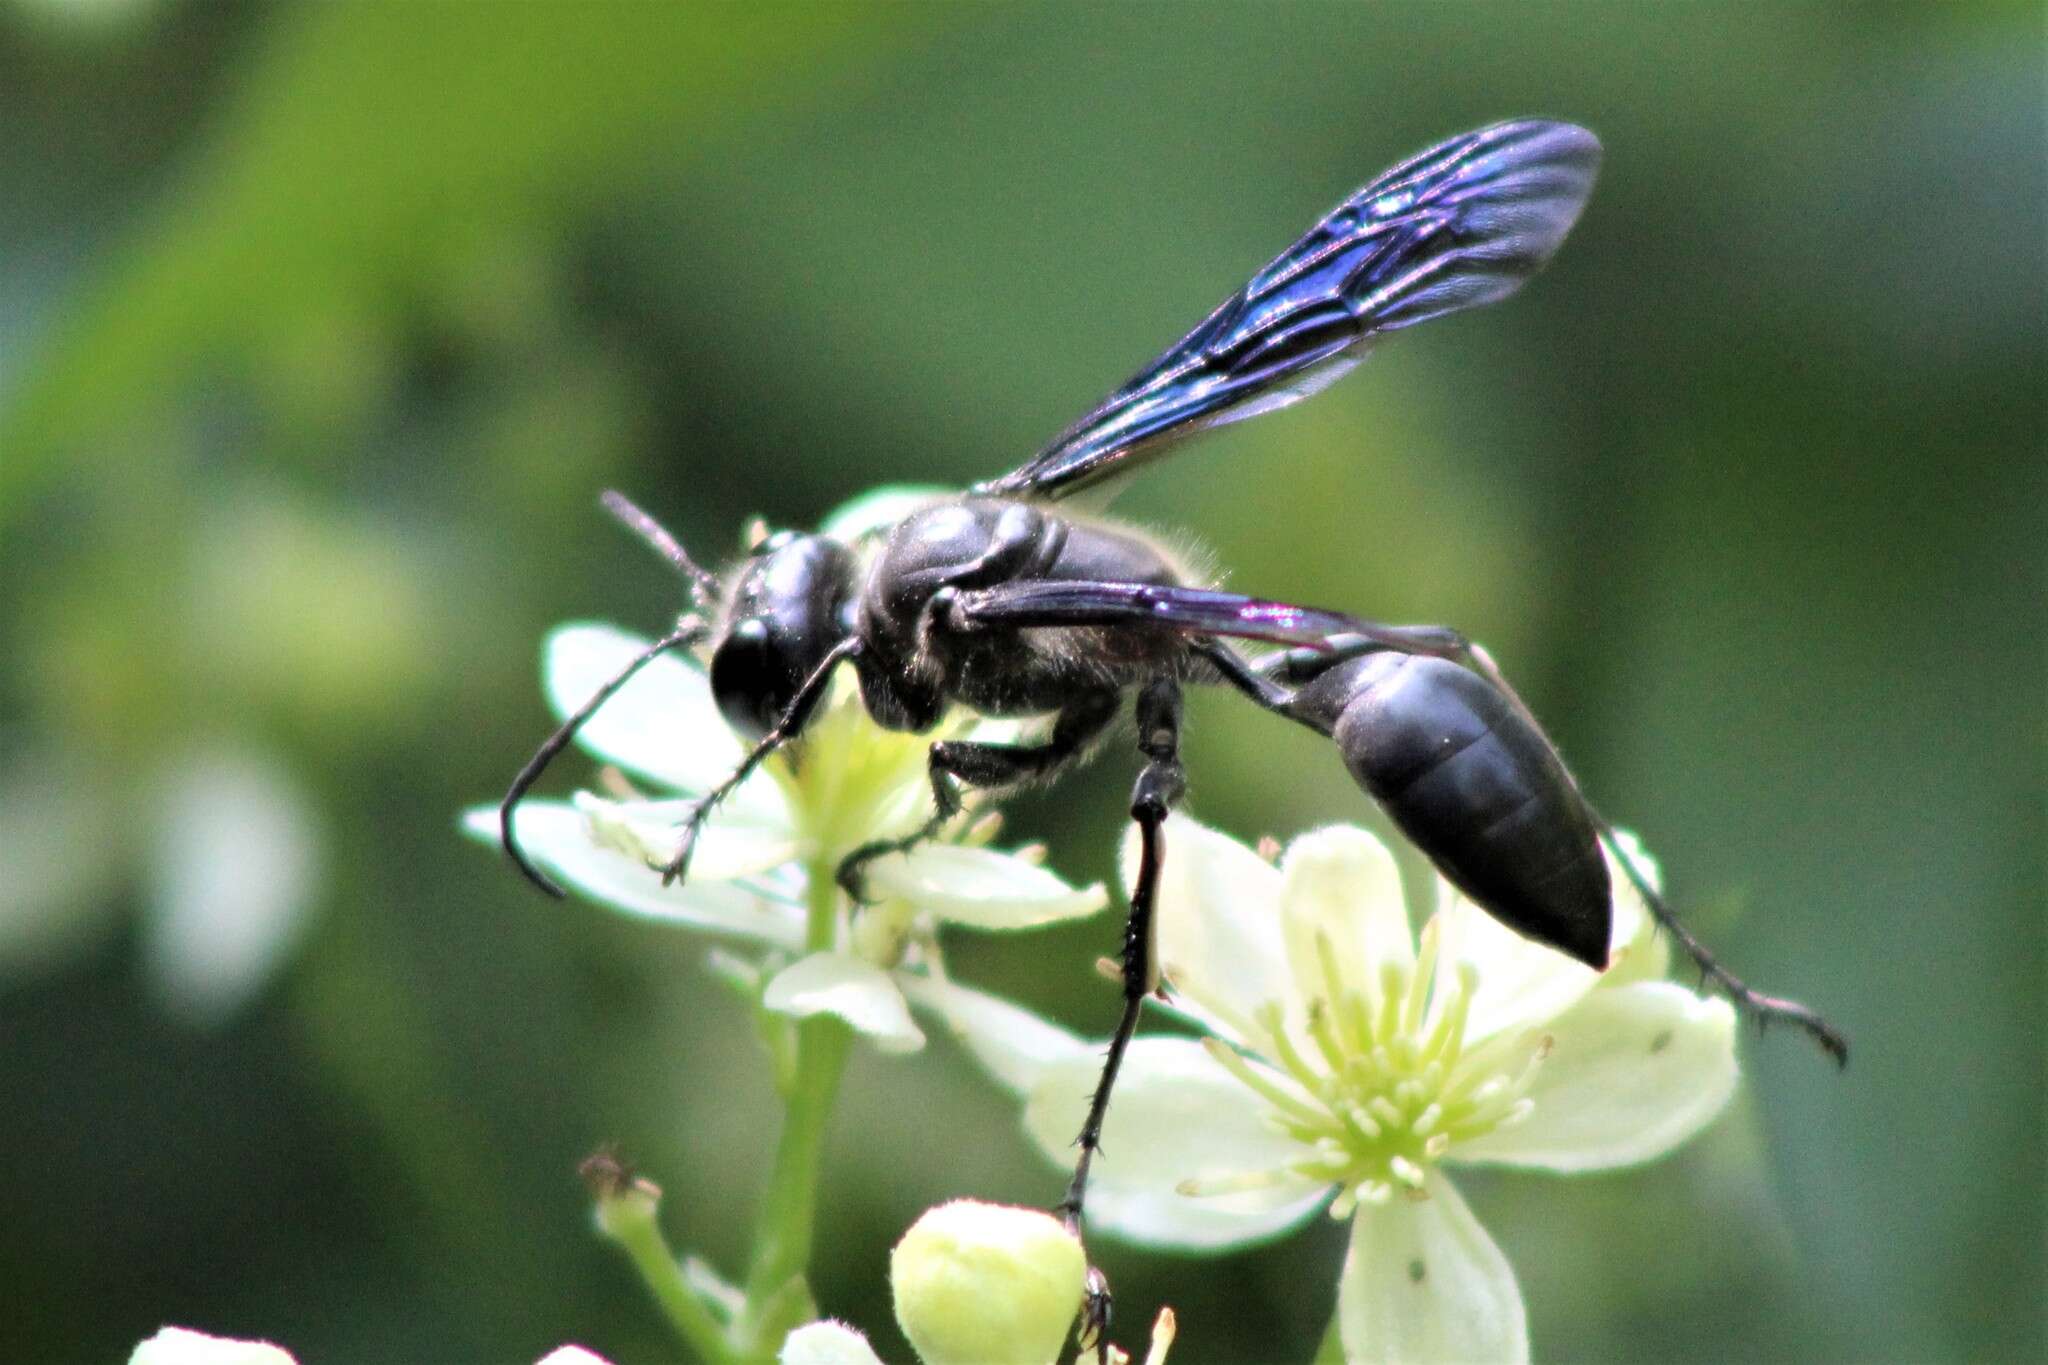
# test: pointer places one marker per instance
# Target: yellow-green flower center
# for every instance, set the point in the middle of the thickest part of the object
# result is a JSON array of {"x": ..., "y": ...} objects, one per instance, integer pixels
[
  {"x": 849, "y": 781},
  {"x": 1382, "y": 1083}
]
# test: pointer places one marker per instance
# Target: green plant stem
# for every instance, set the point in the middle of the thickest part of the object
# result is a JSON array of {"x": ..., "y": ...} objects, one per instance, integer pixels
[
  {"x": 639, "y": 1234},
  {"x": 782, "y": 1238},
  {"x": 1331, "y": 1350}
]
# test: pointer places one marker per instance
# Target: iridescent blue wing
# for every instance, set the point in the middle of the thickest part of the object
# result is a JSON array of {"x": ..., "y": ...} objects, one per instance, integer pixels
[{"x": 1460, "y": 225}]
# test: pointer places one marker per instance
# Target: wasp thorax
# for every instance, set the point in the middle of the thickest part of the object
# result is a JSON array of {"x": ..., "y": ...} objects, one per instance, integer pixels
[{"x": 785, "y": 613}]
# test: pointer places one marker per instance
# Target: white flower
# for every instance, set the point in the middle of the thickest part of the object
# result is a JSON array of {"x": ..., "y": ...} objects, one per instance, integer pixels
[
  {"x": 182, "y": 1346},
  {"x": 1349, "y": 1061},
  {"x": 844, "y": 783}
]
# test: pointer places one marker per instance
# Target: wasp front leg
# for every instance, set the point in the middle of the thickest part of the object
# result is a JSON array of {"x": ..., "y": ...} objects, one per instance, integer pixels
[{"x": 791, "y": 721}]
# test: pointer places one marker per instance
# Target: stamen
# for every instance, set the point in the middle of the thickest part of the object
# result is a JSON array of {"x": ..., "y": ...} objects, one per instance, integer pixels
[
  {"x": 1282, "y": 1044},
  {"x": 1358, "y": 1013},
  {"x": 1222, "y": 1009},
  {"x": 1541, "y": 1053},
  {"x": 1447, "y": 1039},
  {"x": 1334, "y": 989},
  {"x": 1420, "y": 983},
  {"x": 1164, "y": 1328},
  {"x": 1359, "y": 1121},
  {"x": 1325, "y": 1035},
  {"x": 1393, "y": 987},
  {"x": 1488, "y": 1091},
  {"x": 1263, "y": 1086}
]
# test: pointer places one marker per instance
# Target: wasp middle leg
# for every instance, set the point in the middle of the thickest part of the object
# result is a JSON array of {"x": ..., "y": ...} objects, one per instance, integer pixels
[
  {"x": 1159, "y": 787},
  {"x": 954, "y": 762}
]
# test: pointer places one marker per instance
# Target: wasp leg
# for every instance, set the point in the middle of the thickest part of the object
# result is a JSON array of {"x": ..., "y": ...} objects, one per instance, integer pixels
[
  {"x": 1259, "y": 681},
  {"x": 786, "y": 727},
  {"x": 1158, "y": 789},
  {"x": 983, "y": 765},
  {"x": 1764, "y": 1007},
  {"x": 1443, "y": 642}
]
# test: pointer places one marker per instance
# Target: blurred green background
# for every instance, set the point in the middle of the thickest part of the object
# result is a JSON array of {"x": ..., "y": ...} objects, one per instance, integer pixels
[{"x": 321, "y": 327}]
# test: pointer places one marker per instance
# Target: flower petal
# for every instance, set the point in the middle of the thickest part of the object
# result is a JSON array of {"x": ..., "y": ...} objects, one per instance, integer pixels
[
  {"x": 981, "y": 887},
  {"x": 662, "y": 725},
  {"x": 1015, "y": 1045},
  {"x": 730, "y": 844},
  {"x": 1341, "y": 884},
  {"x": 236, "y": 866},
  {"x": 861, "y": 993},
  {"x": 879, "y": 509},
  {"x": 1423, "y": 1282},
  {"x": 827, "y": 1343},
  {"x": 1632, "y": 1073},
  {"x": 1168, "y": 1218},
  {"x": 1178, "y": 1116},
  {"x": 557, "y": 838},
  {"x": 1218, "y": 924},
  {"x": 1522, "y": 983}
]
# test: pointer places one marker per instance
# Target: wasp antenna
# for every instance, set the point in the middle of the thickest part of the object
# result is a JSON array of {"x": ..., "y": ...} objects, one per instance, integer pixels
[
  {"x": 703, "y": 583},
  {"x": 688, "y": 634},
  {"x": 1765, "y": 1008}
]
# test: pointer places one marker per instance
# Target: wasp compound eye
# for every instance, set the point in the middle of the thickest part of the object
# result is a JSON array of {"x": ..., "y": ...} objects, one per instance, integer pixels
[{"x": 752, "y": 679}]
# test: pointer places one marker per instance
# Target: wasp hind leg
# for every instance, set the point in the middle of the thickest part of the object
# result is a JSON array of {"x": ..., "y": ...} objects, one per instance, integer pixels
[{"x": 1263, "y": 683}]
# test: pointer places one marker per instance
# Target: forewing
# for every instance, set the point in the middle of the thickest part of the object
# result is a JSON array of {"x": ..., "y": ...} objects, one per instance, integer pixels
[{"x": 1457, "y": 226}]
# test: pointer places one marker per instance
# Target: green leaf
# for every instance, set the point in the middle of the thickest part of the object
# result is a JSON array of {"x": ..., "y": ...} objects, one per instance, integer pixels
[{"x": 370, "y": 152}]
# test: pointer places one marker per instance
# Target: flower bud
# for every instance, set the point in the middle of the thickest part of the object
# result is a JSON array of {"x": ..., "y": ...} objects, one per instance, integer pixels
[{"x": 982, "y": 1284}]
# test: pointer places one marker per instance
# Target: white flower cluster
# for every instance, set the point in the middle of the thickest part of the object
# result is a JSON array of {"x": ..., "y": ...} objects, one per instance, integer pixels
[{"x": 845, "y": 783}]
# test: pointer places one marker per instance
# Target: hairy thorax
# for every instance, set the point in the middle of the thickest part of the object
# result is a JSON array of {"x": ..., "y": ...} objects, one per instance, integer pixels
[{"x": 917, "y": 663}]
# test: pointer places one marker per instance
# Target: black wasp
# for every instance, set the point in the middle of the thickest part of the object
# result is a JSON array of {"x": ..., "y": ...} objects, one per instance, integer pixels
[{"x": 1001, "y": 602}]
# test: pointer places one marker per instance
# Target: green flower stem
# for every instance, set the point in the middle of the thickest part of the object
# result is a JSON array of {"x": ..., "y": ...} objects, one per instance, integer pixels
[
  {"x": 629, "y": 1218},
  {"x": 1331, "y": 1351},
  {"x": 778, "y": 1299}
]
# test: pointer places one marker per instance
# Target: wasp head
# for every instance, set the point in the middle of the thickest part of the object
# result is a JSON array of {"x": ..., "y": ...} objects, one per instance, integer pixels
[{"x": 791, "y": 603}]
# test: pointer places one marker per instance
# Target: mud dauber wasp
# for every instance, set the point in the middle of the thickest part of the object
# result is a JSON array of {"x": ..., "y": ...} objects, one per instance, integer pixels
[{"x": 999, "y": 601}]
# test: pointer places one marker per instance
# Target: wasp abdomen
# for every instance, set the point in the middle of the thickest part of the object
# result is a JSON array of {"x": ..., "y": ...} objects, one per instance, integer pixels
[{"x": 1476, "y": 787}]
